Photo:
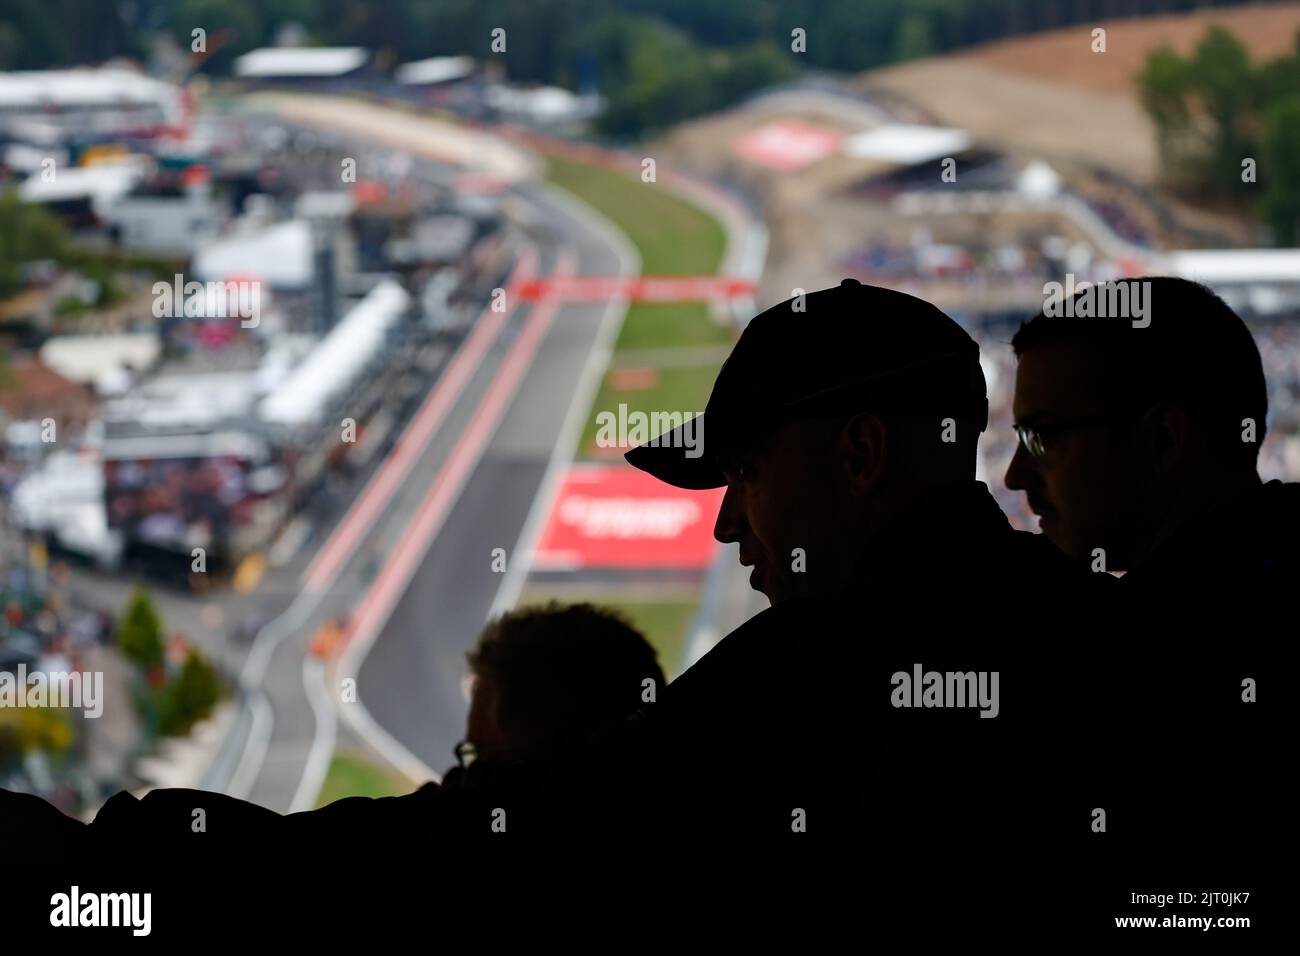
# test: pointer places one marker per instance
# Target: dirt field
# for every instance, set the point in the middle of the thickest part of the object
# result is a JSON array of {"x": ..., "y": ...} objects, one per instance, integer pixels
[
  {"x": 1268, "y": 31},
  {"x": 1043, "y": 96},
  {"x": 1049, "y": 94}
]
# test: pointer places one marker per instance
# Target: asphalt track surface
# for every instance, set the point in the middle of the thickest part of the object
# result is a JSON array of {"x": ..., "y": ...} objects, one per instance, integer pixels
[{"x": 410, "y": 680}]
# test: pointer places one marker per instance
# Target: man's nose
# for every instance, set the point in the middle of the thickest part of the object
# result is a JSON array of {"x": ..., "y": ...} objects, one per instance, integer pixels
[
  {"x": 730, "y": 525},
  {"x": 1021, "y": 471}
]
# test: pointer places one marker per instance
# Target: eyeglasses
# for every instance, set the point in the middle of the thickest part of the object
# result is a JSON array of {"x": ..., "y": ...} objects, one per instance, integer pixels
[{"x": 1036, "y": 438}]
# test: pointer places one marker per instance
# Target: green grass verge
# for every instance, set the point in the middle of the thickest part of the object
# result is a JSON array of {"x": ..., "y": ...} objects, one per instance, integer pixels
[
  {"x": 663, "y": 622},
  {"x": 673, "y": 236},
  {"x": 353, "y": 776},
  {"x": 652, "y": 325},
  {"x": 681, "y": 388},
  {"x": 664, "y": 625}
]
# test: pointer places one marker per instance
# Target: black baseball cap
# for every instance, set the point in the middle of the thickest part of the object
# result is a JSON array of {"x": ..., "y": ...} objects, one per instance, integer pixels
[{"x": 853, "y": 347}]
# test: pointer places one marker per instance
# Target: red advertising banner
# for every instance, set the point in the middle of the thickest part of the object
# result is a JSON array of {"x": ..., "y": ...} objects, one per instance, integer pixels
[
  {"x": 788, "y": 145},
  {"x": 614, "y": 516},
  {"x": 637, "y": 288}
]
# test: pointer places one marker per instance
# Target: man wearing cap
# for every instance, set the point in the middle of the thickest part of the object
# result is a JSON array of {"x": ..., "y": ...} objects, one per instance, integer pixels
[
  {"x": 903, "y": 707},
  {"x": 809, "y": 480},
  {"x": 893, "y": 700}
]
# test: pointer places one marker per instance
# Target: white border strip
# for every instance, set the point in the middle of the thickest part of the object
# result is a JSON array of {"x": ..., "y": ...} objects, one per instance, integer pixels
[
  {"x": 598, "y": 359},
  {"x": 362, "y": 641}
]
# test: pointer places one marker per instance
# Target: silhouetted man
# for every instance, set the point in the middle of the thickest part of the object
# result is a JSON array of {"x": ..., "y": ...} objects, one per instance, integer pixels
[
  {"x": 1139, "y": 433},
  {"x": 545, "y": 677},
  {"x": 887, "y": 708},
  {"x": 1141, "y": 439},
  {"x": 542, "y": 678},
  {"x": 905, "y": 704}
]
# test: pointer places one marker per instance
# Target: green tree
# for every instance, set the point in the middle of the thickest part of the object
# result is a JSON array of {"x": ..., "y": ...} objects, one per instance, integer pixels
[
  {"x": 39, "y": 34},
  {"x": 1223, "y": 80},
  {"x": 914, "y": 37},
  {"x": 1279, "y": 167},
  {"x": 1215, "y": 109},
  {"x": 27, "y": 232},
  {"x": 1165, "y": 86},
  {"x": 750, "y": 69},
  {"x": 1279, "y": 78},
  {"x": 190, "y": 697},
  {"x": 655, "y": 76},
  {"x": 140, "y": 630}
]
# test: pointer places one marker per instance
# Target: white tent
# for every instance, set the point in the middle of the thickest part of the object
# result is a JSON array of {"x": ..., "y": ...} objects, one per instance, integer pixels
[
  {"x": 1229, "y": 266},
  {"x": 65, "y": 479},
  {"x": 65, "y": 498},
  {"x": 85, "y": 358},
  {"x": 103, "y": 183},
  {"x": 185, "y": 400},
  {"x": 907, "y": 144},
  {"x": 438, "y": 69},
  {"x": 1038, "y": 181},
  {"x": 279, "y": 255},
  {"x": 82, "y": 88},
  {"x": 333, "y": 366},
  {"x": 300, "y": 62}
]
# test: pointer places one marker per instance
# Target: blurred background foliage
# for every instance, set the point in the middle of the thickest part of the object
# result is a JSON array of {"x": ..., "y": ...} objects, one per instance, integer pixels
[{"x": 658, "y": 61}]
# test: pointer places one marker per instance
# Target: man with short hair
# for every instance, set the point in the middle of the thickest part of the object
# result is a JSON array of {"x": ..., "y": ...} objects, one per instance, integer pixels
[
  {"x": 1138, "y": 449},
  {"x": 907, "y": 703},
  {"x": 546, "y": 676},
  {"x": 543, "y": 677},
  {"x": 1133, "y": 433},
  {"x": 836, "y": 412}
]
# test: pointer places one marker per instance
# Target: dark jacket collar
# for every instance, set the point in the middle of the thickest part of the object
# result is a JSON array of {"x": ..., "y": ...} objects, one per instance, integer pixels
[
  {"x": 947, "y": 539},
  {"x": 951, "y": 522},
  {"x": 1255, "y": 533}
]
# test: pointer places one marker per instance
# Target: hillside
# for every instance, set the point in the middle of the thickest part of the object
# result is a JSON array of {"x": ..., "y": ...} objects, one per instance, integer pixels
[{"x": 1050, "y": 95}]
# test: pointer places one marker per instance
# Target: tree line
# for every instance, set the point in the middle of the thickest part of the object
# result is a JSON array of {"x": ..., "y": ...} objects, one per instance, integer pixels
[
  {"x": 656, "y": 61},
  {"x": 1228, "y": 128}
]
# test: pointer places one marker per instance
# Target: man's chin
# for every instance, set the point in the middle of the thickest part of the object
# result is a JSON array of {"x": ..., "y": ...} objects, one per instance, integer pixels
[
  {"x": 774, "y": 592},
  {"x": 757, "y": 581},
  {"x": 1069, "y": 545},
  {"x": 1053, "y": 532}
]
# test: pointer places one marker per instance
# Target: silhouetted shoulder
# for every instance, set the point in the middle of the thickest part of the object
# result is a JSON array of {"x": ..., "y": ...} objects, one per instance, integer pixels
[
  {"x": 1279, "y": 511},
  {"x": 183, "y": 822},
  {"x": 1249, "y": 543},
  {"x": 1036, "y": 558},
  {"x": 34, "y": 833}
]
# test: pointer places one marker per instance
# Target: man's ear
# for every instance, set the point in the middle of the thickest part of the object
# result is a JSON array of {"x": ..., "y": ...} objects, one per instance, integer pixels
[
  {"x": 863, "y": 451},
  {"x": 1164, "y": 433}
]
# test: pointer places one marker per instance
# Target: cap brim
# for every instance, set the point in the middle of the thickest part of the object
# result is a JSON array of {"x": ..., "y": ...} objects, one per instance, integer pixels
[{"x": 669, "y": 458}]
